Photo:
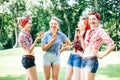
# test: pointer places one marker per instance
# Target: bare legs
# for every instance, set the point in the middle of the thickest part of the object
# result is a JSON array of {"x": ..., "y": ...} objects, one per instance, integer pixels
[
  {"x": 31, "y": 73},
  {"x": 75, "y": 71},
  {"x": 55, "y": 72},
  {"x": 87, "y": 75},
  {"x": 69, "y": 72}
]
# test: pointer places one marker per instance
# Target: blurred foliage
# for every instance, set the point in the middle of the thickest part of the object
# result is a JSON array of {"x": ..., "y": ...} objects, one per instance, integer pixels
[{"x": 69, "y": 12}]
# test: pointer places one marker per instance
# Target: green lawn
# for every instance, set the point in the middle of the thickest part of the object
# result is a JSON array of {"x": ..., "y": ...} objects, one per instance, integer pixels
[{"x": 11, "y": 68}]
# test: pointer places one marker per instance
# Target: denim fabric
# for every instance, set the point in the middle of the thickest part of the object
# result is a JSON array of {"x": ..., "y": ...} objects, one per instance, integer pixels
[
  {"x": 50, "y": 58},
  {"x": 28, "y": 61},
  {"x": 90, "y": 63},
  {"x": 74, "y": 60},
  {"x": 55, "y": 48}
]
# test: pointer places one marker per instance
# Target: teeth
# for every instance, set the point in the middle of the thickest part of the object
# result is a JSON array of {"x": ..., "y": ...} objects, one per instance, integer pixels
[{"x": 92, "y": 23}]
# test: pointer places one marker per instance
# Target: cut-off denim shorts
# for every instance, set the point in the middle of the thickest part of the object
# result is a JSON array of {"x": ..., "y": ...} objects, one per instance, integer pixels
[
  {"x": 90, "y": 63},
  {"x": 28, "y": 61},
  {"x": 50, "y": 58},
  {"x": 74, "y": 60}
]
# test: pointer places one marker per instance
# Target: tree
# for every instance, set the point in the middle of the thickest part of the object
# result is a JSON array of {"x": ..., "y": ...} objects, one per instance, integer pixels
[{"x": 68, "y": 11}]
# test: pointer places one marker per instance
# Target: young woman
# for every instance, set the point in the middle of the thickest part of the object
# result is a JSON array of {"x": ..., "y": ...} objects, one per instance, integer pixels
[
  {"x": 95, "y": 37},
  {"x": 51, "y": 43},
  {"x": 27, "y": 44},
  {"x": 74, "y": 61}
]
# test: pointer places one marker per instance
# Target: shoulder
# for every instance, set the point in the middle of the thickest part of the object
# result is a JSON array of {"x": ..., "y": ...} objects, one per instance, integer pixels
[
  {"x": 100, "y": 30},
  {"x": 60, "y": 33},
  {"x": 21, "y": 35},
  {"x": 47, "y": 33}
]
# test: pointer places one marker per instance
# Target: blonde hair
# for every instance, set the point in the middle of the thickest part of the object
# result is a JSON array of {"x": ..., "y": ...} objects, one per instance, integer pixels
[{"x": 56, "y": 19}]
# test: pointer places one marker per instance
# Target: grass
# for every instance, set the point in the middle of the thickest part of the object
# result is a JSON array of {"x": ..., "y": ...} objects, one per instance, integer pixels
[
  {"x": 22, "y": 77},
  {"x": 11, "y": 68}
]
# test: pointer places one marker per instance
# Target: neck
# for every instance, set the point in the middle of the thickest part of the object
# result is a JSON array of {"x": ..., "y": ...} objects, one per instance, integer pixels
[
  {"x": 93, "y": 27},
  {"x": 53, "y": 31},
  {"x": 25, "y": 30}
]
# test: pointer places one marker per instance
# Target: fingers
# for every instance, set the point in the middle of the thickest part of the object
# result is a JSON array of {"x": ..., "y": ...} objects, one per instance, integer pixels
[
  {"x": 54, "y": 38},
  {"x": 41, "y": 34},
  {"x": 54, "y": 34}
]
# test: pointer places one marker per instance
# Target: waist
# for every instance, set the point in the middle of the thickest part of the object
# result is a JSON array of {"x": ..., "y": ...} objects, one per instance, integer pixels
[
  {"x": 28, "y": 56},
  {"x": 90, "y": 51},
  {"x": 27, "y": 53},
  {"x": 77, "y": 52},
  {"x": 77, "y": 48},
  {"x": 52, "y": 52},
  {"x": 89, "y": 58}
]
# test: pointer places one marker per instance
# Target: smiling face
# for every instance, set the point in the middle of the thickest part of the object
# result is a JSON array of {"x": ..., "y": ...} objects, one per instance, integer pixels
[
  {"x": 93, "y": 21},
  {"x": 81, "y": 26},
  {"x": 81, "y": 23},
  {"x": 54, "y": 25}
]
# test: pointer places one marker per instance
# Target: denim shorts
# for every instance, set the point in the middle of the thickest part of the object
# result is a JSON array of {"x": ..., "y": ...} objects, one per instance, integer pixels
[
  {"x": 91, "y": 63},
  {"x": 74, "y": 60},
  {"x": 28, "y": 61},
  {"x": 51, "y": 58}
]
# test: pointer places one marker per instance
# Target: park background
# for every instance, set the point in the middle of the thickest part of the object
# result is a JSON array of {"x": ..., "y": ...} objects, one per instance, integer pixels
[{"x": 69, "y": 12}]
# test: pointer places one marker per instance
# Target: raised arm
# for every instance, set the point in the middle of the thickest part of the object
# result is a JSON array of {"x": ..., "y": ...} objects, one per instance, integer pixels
[
  {"x": 48, "y": 45},
  {"x": 35, "y": 42}
]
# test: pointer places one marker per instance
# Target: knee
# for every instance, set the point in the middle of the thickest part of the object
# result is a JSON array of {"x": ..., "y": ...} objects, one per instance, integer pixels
[
  {"x": 67, "y": 79},
  {"x": 46, "y": 78},
  {"x": 55, "y": 77}
]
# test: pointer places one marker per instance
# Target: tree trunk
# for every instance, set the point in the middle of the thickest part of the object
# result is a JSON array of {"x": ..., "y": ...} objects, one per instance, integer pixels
[
  {"x": 1, "y": 25},
  {"x": 67, "y": 22},
  {"x": 16, "y": 27},
  {"x": 117, "y": 28},
  {"x": 2, "y": 22},
  {"x": 96, "y": 5}
]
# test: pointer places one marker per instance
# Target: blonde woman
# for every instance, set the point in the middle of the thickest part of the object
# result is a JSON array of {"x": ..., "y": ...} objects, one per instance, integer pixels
[{"x": 51, "y": 43}]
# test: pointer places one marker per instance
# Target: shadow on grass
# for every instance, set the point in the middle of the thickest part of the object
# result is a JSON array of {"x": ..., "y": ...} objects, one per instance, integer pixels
[
  {"x": 13, "y": 77},
  {"x": 20, "y": 77},
  {"x": 110, "y": 71},
  {"x": 40, "y": 76}
]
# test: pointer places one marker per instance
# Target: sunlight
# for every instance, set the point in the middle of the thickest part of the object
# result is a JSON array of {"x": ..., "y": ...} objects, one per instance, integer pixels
[{"x": 72, "y": 2}]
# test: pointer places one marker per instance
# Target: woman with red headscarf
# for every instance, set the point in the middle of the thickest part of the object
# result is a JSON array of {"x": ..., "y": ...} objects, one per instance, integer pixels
[
  {"x": 27, "y": 44},
  {"x": 74, "y": 60},
  {"x": 94, "y": 38}
]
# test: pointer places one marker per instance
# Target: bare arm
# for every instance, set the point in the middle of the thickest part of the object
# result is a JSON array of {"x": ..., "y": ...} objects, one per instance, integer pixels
[
  {"x": 107, "y": 51},
  {"x": 106, "y": 39},
  {"x": 83, "y": 43},
  {"x": 47, "y": 46},
  {"x": 35, "y": 42},
  {"x": 24, "y": 44},
  {"x": 65, "y": 46}
]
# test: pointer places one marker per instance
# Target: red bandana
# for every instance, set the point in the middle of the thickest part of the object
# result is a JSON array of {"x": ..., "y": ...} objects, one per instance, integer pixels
[
  {"x": 97, "y": 15},
  {"x": 24, "y": 21}
]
